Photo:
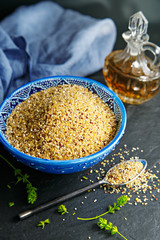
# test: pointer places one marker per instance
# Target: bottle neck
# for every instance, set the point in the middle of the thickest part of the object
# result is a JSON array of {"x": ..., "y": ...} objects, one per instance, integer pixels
[{"x": 134, "y": 45}]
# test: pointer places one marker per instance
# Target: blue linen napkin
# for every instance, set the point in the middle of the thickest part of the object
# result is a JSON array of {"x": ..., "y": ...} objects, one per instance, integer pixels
[{"x": 45, "y": 40}]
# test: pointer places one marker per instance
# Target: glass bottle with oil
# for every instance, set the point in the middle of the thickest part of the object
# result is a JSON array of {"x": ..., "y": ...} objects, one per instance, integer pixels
[{"x": 130, "y": 73}]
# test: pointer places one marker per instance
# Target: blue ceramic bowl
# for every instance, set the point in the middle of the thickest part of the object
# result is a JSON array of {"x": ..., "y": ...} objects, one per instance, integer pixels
[{"x": 66, "y": 166}]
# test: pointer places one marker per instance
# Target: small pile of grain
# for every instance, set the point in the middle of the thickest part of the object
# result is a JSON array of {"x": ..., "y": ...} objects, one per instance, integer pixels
[
  {"x": 124, "y": 172},
  {"x": 60, "y": 123}
]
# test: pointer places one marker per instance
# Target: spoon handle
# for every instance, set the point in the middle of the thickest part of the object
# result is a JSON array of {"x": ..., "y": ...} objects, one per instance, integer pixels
[{"x": 51, "y": 203}]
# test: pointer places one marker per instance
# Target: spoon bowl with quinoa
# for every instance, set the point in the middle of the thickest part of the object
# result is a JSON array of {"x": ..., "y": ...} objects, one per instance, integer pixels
[{"x": 61, "y": 124}]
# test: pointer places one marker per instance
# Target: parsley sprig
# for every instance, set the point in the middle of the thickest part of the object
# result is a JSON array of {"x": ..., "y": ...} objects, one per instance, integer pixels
[
  {"x": 11, "y": 204},
  {"x": 121, "y": 201},
  {"x": 31, "y": 191},
  {"x": 62, "y": 209},
  {"x": 43, "y": 223},
  {"x": 103, "y": 224}
]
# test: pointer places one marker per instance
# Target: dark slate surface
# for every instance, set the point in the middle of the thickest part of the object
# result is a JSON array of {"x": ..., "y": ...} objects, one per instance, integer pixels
[{"x": 143, "y": 131}]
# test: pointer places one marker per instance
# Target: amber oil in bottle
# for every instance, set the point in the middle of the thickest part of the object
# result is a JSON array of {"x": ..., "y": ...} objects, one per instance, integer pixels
[{"x": 133, "y": 76}]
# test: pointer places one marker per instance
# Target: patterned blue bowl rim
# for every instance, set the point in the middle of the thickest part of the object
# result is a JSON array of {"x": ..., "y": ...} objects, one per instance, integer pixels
[{"x": 116, "y": 139}]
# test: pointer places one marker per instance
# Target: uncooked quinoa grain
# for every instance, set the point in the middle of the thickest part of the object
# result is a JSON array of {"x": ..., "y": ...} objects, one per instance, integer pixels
[
  {"x": 61, "y": 123},
  {"x": 124, "y": 172}
]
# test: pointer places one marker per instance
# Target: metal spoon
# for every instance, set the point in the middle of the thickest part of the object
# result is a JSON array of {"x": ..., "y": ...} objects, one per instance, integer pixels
[{"x": 51, "y": 203}]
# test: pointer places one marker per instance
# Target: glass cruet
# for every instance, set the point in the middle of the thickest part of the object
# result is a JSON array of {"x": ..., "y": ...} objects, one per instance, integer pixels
[{"x": 134, "y": 73}]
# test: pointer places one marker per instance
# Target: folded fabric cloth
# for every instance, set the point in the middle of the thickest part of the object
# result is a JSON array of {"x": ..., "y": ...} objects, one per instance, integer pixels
[{"x": 45, "y": 40}]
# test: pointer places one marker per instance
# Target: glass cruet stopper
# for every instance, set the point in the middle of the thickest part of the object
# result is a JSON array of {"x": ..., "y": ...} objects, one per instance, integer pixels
[{"x": 137, "y": 37}]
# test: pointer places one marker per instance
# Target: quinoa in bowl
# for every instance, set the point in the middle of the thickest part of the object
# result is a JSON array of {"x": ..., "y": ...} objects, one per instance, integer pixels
[
  {"x": 61, "y": 123},
  {"x": 73, "y": 163}
]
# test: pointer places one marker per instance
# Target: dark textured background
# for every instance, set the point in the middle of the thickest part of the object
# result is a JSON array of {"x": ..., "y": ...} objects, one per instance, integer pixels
[{"x": 143, "y": 131}]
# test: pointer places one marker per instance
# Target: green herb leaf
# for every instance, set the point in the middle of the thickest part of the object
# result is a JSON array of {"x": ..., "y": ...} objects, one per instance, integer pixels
[
  {"x": 62, "y": 209},
  {"x": 111, "y": 209},
  {"x": 116, "y": 207},
  {"x": 11, "y": 204},
  {"x": 8, "y": 186},
  {"x": 109, "y": 226},
  {"x": 102, "y": 223},
  {"x": 122, "y": 200},
  {"x": 85, "y": 178},
  {"x": 25, "y": 178},
  {"x": 32, "y": 194},
  {"x": 29, "y": 185},
  {"x": 42, "y": 223},
  {"x": 114, "y": 230},
  {"x": 19, "y": 178},
  {"x": 17, "y": 171}
]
